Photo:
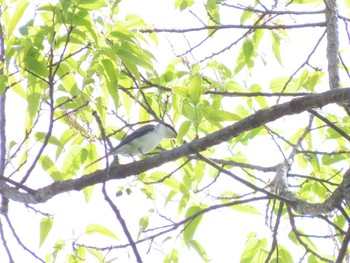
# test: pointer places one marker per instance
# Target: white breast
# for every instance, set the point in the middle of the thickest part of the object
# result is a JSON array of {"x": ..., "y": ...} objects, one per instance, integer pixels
[{"x": 142, "y": 145}]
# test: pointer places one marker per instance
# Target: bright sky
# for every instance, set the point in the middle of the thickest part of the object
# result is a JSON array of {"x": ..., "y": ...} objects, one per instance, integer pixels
[{"x": 223, "y": 240}]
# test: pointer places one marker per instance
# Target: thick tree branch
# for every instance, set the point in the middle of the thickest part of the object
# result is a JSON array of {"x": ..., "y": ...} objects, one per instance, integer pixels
[
  {"x": 257, "y": 119},
  {"x": 332, "y": 43}
]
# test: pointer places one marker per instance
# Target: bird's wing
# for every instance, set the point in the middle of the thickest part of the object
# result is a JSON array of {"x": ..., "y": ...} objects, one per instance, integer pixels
[{"x": 137, "y": 133}]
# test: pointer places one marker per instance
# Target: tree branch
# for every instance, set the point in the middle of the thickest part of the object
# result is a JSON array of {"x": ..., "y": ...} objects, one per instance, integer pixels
[
  {"x": 332, "y": 43},
  {"x": 344, "y": 247},
  {"x": 255, "y": 120},
  {"x": 123, "y": 224},
  {"x": 268, "y": 27}
]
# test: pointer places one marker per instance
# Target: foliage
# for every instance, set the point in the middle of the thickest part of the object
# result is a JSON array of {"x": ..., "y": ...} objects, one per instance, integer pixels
[{"x": 77, "y": 74}]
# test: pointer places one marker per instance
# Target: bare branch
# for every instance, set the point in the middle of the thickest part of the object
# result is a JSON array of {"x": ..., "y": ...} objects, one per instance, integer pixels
[
  {"x": 123, "y": 224},
  {"x": 274, "y": 245},
  {"x": 4, "y": 242},
  {"x": 300, "y": 240},
  {"x": 330, "y": 124},
  {"x": 344, "y": 247},
  {"x": 19, "y": 240},
  {"x": 220, "y": 27},
  {"x": 273, "y": 12}
]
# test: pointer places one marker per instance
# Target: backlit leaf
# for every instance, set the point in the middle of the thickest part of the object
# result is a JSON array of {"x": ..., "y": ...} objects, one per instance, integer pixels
[
  {"x": 91, "y": 4},
  {"x": 50, "y": 167},
  {"x": 20, "y": 9},
  {"x": 191, "y": 227},
  {"x": 196, "y": 89},
  {"x": 99, "y": 229},
  {"x": 45, "y": 226}
]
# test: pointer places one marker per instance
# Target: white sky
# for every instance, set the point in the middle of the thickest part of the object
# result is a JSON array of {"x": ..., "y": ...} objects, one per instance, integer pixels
[{"x": 221, "y": 233}]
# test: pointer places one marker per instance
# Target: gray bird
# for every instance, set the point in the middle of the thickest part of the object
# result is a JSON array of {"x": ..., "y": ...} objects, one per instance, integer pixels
[{"x": 142, "y": 141}]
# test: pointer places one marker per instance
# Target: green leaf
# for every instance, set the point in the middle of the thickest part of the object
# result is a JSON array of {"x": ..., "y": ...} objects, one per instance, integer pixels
[
  {"x": 200, "y": 250},
  {"x": 111, "y": 71},
  {"x": 19, "y": 90},
  {"x": 305, "y": 1},
  {"x": 278, "y": 83},
  {"x": 314, "y": 78},
  {"x": 184, "y": 200},
  {"x": 88, "y": 193},
  {"x": 276, "y": 47},
  {"x": 246, "y": 14},
  {"x": 188, "y": 111},
  {"x": 33, "y": 100},
  {"x": 255, "y": 250},
  {"x": 331, "y": 159},
  {"x": 196, "y": 89},
  {"x": 124, "y": 34},
  {"x": 130, "y": 54},
  {"x": 184, "y": 128},
  {"x": 91, "y": 4},
  {"x": 248, "y": 51},
  {"x": 180, "y": 90},
  {"x": 24, "y": 29},
  {"x": 97, "y": 254},
  {"x": 98, "y": 229},
  {"x": 173, "y": 257},
  {"x": 219, "y": 115},
  {"x": 40, "y": 136},
  {"x": 305, "y": 239},
  {"x": 283, "y": 256},
  {"x": 37, "y": 67},
  {"x": 244, "y": 138},
  {"x": 169, "y": 75},
  {"x": 20, "y": 9},
  {"x": 246, "y": 209},
  {"x": 213, "y": 15},
  {"x": 91, "y": 155},
  {"x": 127, "y": 102},
  {"x": 143, "y": 223},
  {"x": 112, "y": 80},
  {"x": 75, "y": 157},
  {"x": 303, "y": 77},
  {"x": 224, "y": 71},
  {"x": 191, "y": 227},
  {"x": 257, "y": 36},
  {"x": 133, "y": 21},
  {"x": 45, "y": 226},
  {"x": 3, "y": 83},
  {"x": 183, "y": 4},
  {"x": 213, "y": 9},
  {"x": 50, "y": 167},
  {"x": 170, "y": 196},
  {"x": 172, "y": 182}
]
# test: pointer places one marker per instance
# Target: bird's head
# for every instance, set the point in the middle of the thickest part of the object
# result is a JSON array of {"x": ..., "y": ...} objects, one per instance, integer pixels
[{"x": 167, "y": 131}]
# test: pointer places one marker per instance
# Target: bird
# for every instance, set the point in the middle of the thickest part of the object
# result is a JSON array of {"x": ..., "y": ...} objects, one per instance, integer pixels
[{"x": 142, "y": 141}]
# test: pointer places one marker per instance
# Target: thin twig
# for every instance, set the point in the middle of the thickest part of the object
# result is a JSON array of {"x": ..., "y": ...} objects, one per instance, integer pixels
[
  {"x": 19, "y": 240},
  {"x": 330, "y": 124},
  {"x": 122, "y": 223},
  {"x": 220, "y": 27},
  {"x": 4, "y": 242}
]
